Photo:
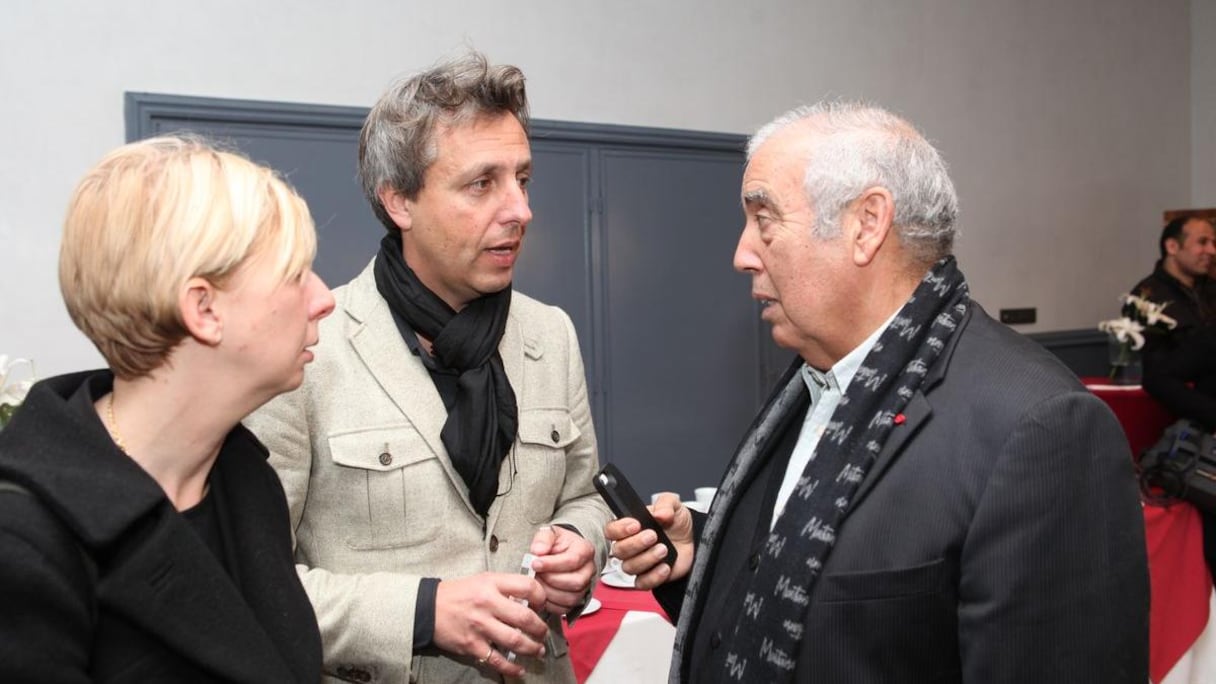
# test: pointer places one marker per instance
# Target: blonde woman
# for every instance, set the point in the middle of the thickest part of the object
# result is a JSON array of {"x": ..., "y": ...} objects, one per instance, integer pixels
[{"x": 143, "y": 537}]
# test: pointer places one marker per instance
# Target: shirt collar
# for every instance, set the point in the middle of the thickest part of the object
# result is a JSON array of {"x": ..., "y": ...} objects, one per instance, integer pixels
[{"x": 838, "y": 377}]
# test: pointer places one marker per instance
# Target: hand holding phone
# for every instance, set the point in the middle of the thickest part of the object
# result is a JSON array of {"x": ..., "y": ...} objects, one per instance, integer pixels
[{"x": 624, "y": 501}]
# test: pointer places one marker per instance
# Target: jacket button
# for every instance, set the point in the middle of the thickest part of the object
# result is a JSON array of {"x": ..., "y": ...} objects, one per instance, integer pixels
[
  {"x": 386, "y": 458},
  {"x": 493, "y": 543},
  {"x": 715, "y": 641},
  {"x": 555, "y": 436},
  {"x": 754, "y": 561}
]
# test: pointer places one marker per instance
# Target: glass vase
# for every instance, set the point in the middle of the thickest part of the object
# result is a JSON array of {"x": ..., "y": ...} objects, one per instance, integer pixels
[{"x": 1125, "y": 366}]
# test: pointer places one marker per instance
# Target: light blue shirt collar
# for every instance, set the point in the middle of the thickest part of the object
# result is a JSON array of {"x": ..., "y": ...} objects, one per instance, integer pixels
[{"x": 841, "y": 373}]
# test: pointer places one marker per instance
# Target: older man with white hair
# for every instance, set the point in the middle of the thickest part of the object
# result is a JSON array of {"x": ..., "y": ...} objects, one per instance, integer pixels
[{"x": 927, "y": 495}]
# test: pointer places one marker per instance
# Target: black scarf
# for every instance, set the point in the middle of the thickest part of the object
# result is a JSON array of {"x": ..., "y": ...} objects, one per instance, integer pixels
[
  {"x": 764, "y": 647},
  {"x": 481, "y": 425}
]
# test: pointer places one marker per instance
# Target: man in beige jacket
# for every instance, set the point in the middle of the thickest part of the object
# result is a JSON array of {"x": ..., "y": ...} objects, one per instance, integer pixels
[{"x": 444, "y": 429}]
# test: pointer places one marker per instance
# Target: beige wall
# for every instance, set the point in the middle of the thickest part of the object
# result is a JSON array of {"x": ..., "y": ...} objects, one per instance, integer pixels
[
  {"x": 1051, "y": 114},
  {"x": 1203, "y": 103}
]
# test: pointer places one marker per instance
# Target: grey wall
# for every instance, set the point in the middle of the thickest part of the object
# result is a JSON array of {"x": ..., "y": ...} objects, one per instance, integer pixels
[{"x": 1054, "y": 116}]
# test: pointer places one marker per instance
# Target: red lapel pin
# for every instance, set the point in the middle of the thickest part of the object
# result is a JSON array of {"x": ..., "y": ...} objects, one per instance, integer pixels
[{"x": 899, "y": 419}]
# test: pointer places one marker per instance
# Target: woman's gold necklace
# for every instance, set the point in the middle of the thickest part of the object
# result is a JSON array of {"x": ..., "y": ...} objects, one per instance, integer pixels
[{"x": 113, "y": 426}]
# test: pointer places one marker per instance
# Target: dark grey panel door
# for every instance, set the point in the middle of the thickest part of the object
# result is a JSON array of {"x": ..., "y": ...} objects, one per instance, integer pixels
[
  {"x": 680, "y": 330},
  {"x": 321, "y": 165},
  {"x": 555, "y": 265}
]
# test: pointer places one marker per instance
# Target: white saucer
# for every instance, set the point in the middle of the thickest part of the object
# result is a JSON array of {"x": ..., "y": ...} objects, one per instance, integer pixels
[
  {"x": 696, "y": 506},
  {"x": 592, "y": 606},
  {"x": 620, "y": 580}
]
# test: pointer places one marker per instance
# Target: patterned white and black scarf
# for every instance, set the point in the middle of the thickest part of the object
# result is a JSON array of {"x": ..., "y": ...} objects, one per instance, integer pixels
[{"x": 764, "y": 646}]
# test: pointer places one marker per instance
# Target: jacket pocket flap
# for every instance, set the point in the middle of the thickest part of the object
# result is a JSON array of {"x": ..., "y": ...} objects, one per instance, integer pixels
[
  {"x": 547, "y": 427},
  {"x": 927, "y": 578},
  {"x": 380, "y": 448}
]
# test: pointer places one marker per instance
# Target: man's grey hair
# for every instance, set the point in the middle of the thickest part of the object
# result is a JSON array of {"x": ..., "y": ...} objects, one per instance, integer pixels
[
  {"x": 860, "y": 146},
  {"x": 397, "y": 144}
]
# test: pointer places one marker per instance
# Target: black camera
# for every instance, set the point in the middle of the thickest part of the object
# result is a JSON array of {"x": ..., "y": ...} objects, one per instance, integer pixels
[{"x": 1180, "y": 466}]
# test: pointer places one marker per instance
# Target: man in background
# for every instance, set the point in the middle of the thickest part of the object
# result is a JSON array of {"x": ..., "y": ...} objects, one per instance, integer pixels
[
  {"x": 444, "y": 430},
  {"x": 1180, "y": 365},
  {"x": 927, "y": 495},
  {"x": 1180, "y": 282},
  {"x": 1176, "y": 369}
]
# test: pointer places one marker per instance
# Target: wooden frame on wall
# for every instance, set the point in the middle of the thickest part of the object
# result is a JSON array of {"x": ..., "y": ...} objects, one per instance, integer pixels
[{"x": 1170, "y": 215}]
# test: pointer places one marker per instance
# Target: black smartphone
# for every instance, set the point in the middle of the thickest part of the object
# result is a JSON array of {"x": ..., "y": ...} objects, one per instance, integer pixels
[{"x": 624, "y": 501}]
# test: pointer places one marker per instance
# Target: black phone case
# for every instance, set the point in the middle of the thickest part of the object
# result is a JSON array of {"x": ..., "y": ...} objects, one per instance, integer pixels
[{"x": 625, "y": 503}]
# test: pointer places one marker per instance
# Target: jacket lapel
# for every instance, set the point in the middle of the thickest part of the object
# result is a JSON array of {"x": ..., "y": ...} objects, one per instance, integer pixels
[
  {"x": 167, "y": 582},
  {"x": 374, "y": 337},
  {"x": 916, "y": 412},
  {"x": 267, "y": 580},
  {"x": 513, "y": 348}
]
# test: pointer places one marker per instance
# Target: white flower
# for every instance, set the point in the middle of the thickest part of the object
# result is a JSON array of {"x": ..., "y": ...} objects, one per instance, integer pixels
[
  {"x": 1125, "y": 330},
  {"x": 1150, "y": 312},
  {"x": 1137, "y": 300},
  {"x": 1153, "y": 315},
  {"x": 12, "y": 392}
]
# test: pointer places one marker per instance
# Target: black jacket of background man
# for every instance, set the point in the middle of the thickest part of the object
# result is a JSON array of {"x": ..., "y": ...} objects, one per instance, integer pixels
[{"x": 1191, "y": 307}]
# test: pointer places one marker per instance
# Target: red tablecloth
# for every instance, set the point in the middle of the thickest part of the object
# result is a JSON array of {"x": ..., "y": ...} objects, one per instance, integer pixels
[
  {"x": 590, "y": 635},
  {"x": 1180, "y": 583},
  {"x": 1141, "y": 416}
]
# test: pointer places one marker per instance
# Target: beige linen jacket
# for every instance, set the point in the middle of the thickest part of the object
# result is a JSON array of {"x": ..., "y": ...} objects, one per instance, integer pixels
[{"x": 376, "y": 504}]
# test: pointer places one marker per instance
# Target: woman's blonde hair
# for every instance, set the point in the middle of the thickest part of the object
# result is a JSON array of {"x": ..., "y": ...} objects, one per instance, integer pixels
[{"x": 155, "y": 213}]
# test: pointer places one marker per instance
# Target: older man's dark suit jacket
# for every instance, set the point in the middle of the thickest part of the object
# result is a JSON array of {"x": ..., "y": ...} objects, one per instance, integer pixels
[
  {"x": 997, "y": 538},
  {"x": 101, "y": 580}
]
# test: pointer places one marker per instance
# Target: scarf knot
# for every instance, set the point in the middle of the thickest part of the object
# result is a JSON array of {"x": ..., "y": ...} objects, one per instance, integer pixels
[{"x": 483, "y": 420}]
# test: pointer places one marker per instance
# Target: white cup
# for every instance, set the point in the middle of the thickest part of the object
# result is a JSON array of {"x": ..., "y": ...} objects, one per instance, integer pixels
[
  {"x": 654, "y": 498},
  {"x": 705, "y": 495}
]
